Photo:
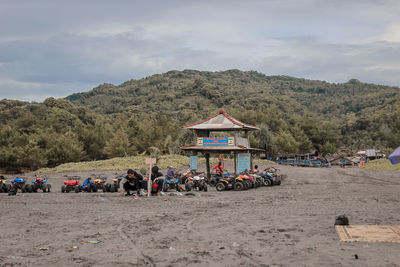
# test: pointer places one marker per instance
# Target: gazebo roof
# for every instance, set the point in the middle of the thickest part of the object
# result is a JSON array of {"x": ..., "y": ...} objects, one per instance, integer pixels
[
  {"x": 221, "y": 122},
  {"x": 238, "y": 148}
]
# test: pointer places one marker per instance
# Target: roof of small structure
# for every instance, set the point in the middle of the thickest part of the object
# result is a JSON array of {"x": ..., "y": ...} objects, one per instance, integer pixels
[
  {"x": 219, "y": 148},
  {"x": 222, "y": 121}
]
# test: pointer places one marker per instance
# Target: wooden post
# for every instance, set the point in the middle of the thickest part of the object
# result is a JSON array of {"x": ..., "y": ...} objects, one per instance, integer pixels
[
  {"x": 248, "y": 141},
  {"x": 207, "y": 155},
  {"x": 251, "y": 161},
  {"x": 235, "y": 161},
  {"x": 149, "y": 185},
  {"x": 150, "y": 161}
]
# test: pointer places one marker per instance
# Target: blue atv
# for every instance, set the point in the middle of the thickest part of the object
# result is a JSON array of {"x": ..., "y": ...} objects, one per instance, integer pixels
[
  {"x": 88, "y": 186},
  {"x": 19, "y": 183},
  {"x": 172, "y": 183}
]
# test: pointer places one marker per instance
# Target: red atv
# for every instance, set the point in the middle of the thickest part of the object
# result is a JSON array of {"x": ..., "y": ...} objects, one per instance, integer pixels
[
  {"x": 40, "y": 182},
  {"x": 71, "y": 184}
]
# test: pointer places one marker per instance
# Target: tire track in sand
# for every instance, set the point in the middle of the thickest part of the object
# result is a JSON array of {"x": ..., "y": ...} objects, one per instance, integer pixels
[
  {"x": 138, "y": 252},
  {"x": 240, "y": 253}
]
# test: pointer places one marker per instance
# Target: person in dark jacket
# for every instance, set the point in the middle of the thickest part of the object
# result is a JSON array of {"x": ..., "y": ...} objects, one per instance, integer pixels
[
  {"x": 131, "y": 182},
  {"x": 157, "y": 179}
]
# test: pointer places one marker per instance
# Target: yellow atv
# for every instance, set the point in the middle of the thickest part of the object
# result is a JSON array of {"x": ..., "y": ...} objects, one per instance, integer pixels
[
  {"x": 232, "y": 182},
  {"x": 114, "y": 185},
  {"x": 4, "y": 187},
  {"x": 100, "y": 183}
]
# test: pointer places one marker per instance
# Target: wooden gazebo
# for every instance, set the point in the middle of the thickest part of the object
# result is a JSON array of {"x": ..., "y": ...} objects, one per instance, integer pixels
[{"x": 221, "y": 122}]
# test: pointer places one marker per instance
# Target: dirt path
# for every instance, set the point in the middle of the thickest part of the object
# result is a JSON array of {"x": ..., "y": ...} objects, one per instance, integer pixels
[{"x": 288, "y": 225}]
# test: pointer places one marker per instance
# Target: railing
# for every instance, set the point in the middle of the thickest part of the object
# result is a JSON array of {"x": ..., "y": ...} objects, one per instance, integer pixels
[{"x": 300, "y": 162}]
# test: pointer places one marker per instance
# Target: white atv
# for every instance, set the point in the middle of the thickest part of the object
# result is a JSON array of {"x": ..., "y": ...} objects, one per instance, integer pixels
[{"x": 196, "y": 182}]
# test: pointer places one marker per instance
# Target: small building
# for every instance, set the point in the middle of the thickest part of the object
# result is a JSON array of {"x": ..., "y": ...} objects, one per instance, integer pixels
[
  {"x": 232, "y": 143},
  {"x": 304, "y": 160}
]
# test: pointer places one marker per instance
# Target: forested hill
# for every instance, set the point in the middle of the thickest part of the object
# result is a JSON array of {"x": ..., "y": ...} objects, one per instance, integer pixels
[
  {"x": 351, "y": 114},
  {"x": 186, "y": 92},
  {"x": 146, "y": 115}
]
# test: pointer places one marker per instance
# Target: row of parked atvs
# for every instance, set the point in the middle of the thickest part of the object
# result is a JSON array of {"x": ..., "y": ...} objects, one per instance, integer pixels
[
  {"x": 243, "y": 181},
  {"x": 94, "y": 184},
  {"x": 19, "y": 183},
  {"x": 247, "y": 180},
  {"x": 188, "y": 181}
]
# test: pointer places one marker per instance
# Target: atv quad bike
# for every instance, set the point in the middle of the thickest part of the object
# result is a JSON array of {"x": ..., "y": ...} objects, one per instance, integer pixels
[
  {"x": 100, "y": 183},
  {"x": 88, "y": 186},
  {"x": 271, "y": 176},
  {"x": 4, "y": 187},
  {"x": 114, "y": 185},
  {"x": 196, "y": 182},
  {"x": 231, "y": 182},
  {"x": 71, "y": 184},
  {"x": 172, "y": 183},
  {"x": 19, "y": 183},
  {"x": 40, "y": 182}
]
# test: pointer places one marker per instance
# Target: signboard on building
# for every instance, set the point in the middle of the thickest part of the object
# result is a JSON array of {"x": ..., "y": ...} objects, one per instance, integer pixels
[
  {"x": 243, "y": 162},
  {"x": 215, "y": 141},
  {"x": 193, "y": 162}
]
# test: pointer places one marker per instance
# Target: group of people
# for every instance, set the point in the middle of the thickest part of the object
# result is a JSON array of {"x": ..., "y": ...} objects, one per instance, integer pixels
[
  {"x": 135, "y": 182},
  {"x": 219, "y": 169}
]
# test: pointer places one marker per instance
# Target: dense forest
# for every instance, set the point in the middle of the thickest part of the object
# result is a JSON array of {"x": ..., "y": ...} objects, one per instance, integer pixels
[{"x": 146, "y": 115}]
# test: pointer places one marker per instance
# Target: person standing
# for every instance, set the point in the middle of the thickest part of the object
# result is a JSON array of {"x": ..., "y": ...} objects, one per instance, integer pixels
[{"x": 219, "y": 169}]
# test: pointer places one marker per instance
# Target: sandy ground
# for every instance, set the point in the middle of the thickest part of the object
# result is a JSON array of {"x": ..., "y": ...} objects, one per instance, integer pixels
[{"x": 287, "y": 225}]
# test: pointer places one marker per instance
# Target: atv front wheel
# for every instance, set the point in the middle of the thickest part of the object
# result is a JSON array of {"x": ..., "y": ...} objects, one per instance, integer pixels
[
  {"x": 29, "y": 188},
  {"x": 77, "y": 189},
  {"x": 238, "y": 186},
  {"x": 113, "y": 189},
  {"x": 165, "y": 187},
  {"x": 48, "y": 186},
  {"x": 188, "y": 187},
  {"x": 205, "y": 187},
  {"x": 220, "y": 187},
  {"x": 23, "y": 189}
]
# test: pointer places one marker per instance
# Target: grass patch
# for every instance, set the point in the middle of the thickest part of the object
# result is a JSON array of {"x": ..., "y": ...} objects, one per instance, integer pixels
[
  {"x": 123, "y": 163},
  {"x": 137, "y": 163},
  {"x": 381, "y": 165}
]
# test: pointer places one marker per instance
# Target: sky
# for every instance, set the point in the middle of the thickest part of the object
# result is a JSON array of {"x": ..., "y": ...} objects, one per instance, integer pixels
[{"x": 56, "y": 48}]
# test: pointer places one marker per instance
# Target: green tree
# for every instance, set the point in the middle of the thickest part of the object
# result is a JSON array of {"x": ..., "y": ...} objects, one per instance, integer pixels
[
  {"x": 119, "y": 145},
  {"x": 285, "y": 143}
]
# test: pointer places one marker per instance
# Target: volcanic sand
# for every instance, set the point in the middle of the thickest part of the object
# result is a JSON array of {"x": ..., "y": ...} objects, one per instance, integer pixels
[{"x": 287, "y": 225}]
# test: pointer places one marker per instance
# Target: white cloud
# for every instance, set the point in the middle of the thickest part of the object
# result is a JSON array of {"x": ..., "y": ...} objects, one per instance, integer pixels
[
  {"x": 50, "y": 48},
  {"x": 391, "y": 33}
]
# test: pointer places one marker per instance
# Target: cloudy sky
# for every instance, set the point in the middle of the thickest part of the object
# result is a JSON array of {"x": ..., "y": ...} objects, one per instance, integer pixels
[{"x": 55, "y": 48}]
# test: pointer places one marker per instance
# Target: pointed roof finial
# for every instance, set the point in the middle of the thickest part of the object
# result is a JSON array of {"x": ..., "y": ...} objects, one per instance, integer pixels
[{"x": 221, "y": 111}]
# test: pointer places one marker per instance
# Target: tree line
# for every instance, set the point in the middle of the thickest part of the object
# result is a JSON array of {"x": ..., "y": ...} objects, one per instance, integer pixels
[{"x": 146, "y": 115}]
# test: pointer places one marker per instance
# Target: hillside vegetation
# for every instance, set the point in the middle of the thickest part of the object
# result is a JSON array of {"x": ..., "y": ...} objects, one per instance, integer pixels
[
  {"x": 381, "y": 165},
  {"x": 145, "y": 117}
]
